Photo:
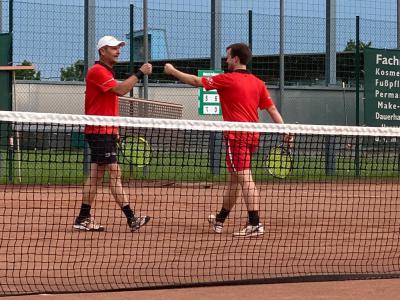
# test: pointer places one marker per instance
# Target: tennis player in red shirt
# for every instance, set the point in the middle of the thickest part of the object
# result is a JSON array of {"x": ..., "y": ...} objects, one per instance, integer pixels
[
  {"x": 101, "y": 98},
  {"x": 241, "y": 95}
]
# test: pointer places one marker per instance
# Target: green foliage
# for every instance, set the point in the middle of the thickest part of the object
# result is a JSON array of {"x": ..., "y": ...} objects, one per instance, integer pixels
[
  {"x": 27, "y": 74},
  {"x": 351, "y": 45},
  {"x": 73, "y": 72}
]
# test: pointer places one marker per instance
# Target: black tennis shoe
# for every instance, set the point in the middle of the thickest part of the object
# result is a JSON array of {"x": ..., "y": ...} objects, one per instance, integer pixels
[
  {"x": 138, "y": 222},
  {"x": 87, "y": 224}
]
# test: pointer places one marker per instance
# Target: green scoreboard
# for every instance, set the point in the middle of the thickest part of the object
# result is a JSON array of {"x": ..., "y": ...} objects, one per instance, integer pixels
[{"x": 209, "y": 100}]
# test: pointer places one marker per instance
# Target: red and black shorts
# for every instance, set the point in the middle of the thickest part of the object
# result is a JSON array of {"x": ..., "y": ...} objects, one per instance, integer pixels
[
  {"x": 238, "y": 154},
  {"x": 103, "y": 148}
]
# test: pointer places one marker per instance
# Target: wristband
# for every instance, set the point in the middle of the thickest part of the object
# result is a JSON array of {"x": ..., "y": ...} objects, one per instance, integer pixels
[{"x": 139, "y": 74}]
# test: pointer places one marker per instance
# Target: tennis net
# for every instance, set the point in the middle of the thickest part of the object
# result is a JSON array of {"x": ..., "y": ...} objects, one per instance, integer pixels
[{"x": 330, "y": 211}]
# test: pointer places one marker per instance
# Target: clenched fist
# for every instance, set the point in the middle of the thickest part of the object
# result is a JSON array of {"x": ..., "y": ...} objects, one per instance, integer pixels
[{"x": 169, "y": 69}]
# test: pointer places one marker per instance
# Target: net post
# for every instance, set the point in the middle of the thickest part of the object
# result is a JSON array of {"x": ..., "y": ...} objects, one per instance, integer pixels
[
  {"x": 146, "y": 171},
  {"x": 215, "y": 149},
  {"x": 1, "y": 164},
  {"x": 10, "y": 154},
  {"x": 86, "y": 159},
  {"x": 18, "y": 156},
  {"x": 330, "y": 163}
]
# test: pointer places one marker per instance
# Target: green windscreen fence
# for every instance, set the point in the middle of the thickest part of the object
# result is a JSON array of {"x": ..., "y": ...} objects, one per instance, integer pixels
[
  {"x": 5, "y": 81},
  {"x": 5, "y": 76}
]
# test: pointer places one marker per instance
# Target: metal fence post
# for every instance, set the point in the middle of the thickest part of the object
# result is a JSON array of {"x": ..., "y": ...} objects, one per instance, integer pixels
[
  {"x": 89, "y": 58},
  {"x": 215, "y": 145},
  {"x": 10, "y": 147},
  {"x": 281, "y": 55},
  {"x": 357, "y": 58},
  {"x": 145, "y": 48},
  {"x": 250, "y": 67},
  {"x": 131, "y": 57},
  {"x": 330, "y": 43},
  {"x": 330, "y": 77}
]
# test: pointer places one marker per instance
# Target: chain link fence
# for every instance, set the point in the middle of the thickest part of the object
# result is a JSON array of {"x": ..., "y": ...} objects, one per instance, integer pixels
[{"x": 50, "y": 35}]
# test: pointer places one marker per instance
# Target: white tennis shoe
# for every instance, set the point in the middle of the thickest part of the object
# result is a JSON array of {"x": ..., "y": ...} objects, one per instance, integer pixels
[
  {"x": 215, "y": 226},
  {"x": 250, "y": 230}
]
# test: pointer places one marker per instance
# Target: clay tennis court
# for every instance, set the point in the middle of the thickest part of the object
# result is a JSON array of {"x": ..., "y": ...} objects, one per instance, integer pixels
[{"x": 314, "y": 231}]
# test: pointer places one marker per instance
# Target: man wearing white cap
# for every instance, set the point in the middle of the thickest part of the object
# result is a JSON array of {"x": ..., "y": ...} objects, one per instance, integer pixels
[{"x": 101, "y": 98}]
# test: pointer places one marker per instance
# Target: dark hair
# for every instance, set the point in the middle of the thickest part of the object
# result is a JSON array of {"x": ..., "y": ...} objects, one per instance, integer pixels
[{"x": 242, "y": 51}]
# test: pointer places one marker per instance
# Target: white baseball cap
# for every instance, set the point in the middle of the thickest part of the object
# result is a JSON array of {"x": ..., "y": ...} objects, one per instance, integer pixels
[{"x": 109, "y": 41}]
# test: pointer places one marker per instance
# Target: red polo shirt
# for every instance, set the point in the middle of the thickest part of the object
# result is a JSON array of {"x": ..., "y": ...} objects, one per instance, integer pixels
[
  {"x": 99, "y": 100},
  {"x": 241, "y": 95}
]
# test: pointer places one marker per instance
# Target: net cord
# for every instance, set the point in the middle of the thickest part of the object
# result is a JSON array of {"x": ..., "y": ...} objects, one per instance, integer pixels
[{"x": 70, "y": 119}]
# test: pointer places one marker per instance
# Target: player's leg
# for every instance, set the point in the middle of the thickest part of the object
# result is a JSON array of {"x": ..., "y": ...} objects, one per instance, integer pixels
[
  {"x": 116, "y": 187},
  {"x": 231, "y": 194},
  {"x": 117, "y": 190},
  {"x": 250, "y": 194},
  {"x": 92, "y": 184},
  {"x": 84, "y": 220},
  {"x": 249, "y": 189},
  {"x": 232, "y": 191}
]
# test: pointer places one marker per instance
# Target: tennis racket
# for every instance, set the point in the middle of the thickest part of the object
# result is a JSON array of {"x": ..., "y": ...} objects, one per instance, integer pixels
[
  {"x": 135, "y": 151},
  {"x": 279, "y": 161}
]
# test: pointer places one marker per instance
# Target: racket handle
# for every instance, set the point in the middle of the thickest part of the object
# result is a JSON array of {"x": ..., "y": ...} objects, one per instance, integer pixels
[{"x": 288, "y": 139}]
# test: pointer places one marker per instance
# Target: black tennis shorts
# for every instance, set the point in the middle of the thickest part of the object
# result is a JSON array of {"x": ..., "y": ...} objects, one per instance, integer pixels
[{"x": 103, "y": 148}]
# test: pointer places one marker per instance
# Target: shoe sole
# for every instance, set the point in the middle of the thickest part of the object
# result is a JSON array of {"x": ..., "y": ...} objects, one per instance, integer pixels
[
  {"x": 83, "y": 228},
  {"x": 254, "y": 233},
  {"x": 247, "y": 235},
  {"x": 146, "y": 220}
]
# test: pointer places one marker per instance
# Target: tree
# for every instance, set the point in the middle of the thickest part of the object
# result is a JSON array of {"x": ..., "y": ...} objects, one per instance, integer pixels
[
  {"x": 351, "y": 45},
  {"x": 27, "y": 74},
  {"x": 74, "y": 72}
]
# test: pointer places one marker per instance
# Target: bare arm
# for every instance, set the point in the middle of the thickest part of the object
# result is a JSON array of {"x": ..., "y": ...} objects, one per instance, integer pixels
[
  {"x": 277, "y": 118},
  {"x": 125, "y": 86},
  {"x": 181, "y": 76},
  {"x": 275, "y": 115}
]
